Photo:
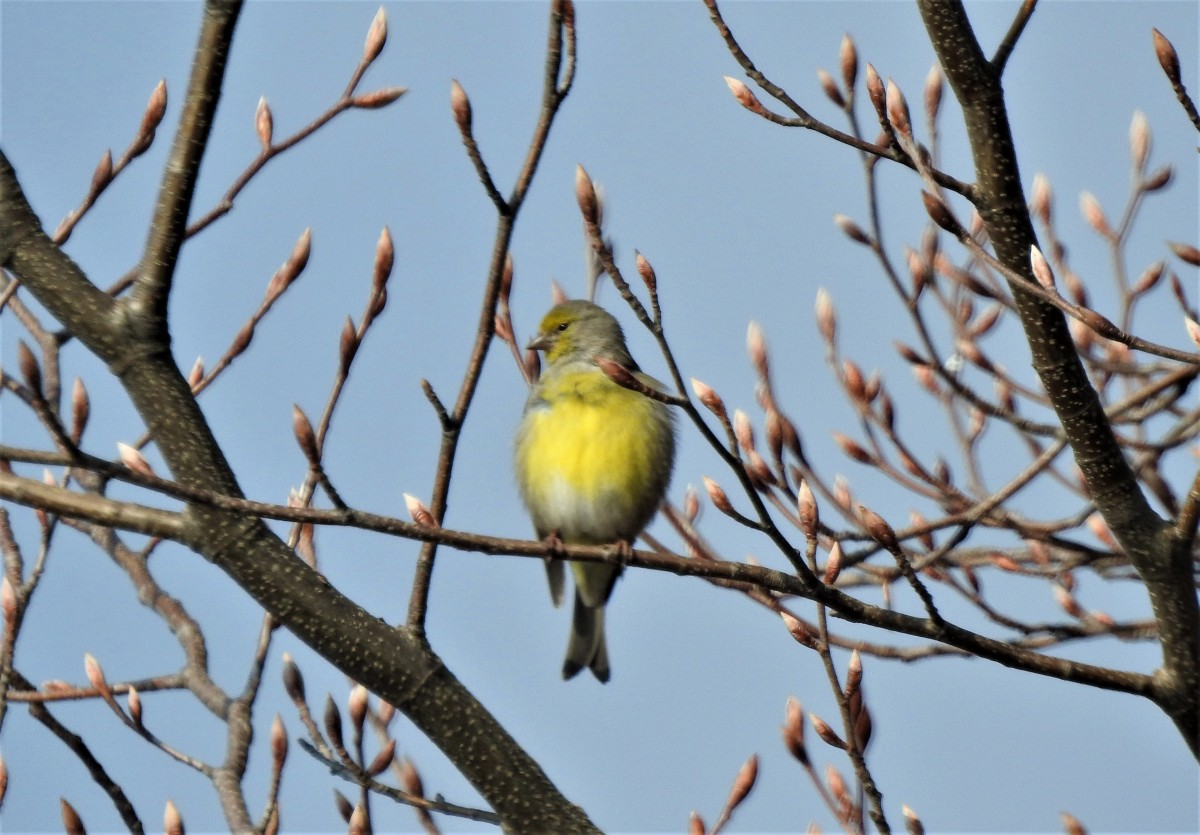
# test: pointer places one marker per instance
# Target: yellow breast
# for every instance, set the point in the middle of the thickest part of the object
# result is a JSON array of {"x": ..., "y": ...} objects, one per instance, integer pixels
[{"x": 593, "y": 458}]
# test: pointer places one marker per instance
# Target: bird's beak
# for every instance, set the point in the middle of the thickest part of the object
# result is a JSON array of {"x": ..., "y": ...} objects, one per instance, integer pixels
[{"x": 541, "y": 342}]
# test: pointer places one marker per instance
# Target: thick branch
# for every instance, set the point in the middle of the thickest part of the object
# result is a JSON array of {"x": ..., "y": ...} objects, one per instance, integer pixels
[
  {"x": 1114, "y": 487},
  {"x": 396, "y": 664},
  {"x": 168, "y": 228}
]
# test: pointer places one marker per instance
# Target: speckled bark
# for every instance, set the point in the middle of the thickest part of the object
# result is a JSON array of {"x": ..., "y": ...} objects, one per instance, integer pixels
[
  {"x": 393, "y": 663},
  {"x": 1164, "y": 564}
]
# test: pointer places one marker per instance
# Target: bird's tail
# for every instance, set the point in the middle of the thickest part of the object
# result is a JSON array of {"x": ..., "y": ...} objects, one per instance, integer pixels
[{"x": 586, "y": 646}]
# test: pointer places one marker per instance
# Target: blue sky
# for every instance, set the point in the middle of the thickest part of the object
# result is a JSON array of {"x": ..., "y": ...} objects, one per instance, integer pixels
[{"x": 735, "y": 215}]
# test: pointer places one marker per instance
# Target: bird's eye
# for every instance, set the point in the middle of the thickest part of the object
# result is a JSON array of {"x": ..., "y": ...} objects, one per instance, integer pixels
[{"x": 562, "y": 326}]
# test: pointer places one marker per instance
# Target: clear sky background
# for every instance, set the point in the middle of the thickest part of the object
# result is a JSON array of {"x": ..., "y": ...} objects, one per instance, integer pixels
[{"x": 735, "y": 215}]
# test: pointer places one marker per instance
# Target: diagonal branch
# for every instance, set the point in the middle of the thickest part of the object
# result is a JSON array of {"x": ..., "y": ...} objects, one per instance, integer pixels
[
  {"x": 396, "y": 664},
  {"x": 1167, "y": 571},
  {"x": 168, "y": 227}
]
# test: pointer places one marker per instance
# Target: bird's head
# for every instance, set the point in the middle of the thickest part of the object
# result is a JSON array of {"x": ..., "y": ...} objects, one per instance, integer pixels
[{"x": 580, "y": 330}]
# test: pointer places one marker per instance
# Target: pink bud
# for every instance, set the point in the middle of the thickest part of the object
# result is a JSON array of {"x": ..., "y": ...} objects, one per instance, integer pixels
[
  {"x": 911, "y": 822},
  {"x": 854, "y": 672},
  {"x": 135, "y": 706},
  {"x": 357, "y": 706},
  {"x": 8, "y": 603},
  {"x": 897, "y": 109},
  {"x": 876, "y": 92},
  {"x": 933, "y": 92},
  {"x": 585, "y": 195},
  {"x": 1149, "y": 277},
  {"x": 743, "y": 430},
  {"x": 133, "y": 459},
  {"x": 1043, "y": 197},
  {"x": 302, "y": 428},
  {"x": 833, "y": 565},
  {"x": 72, "y": 823},
  {"x": 376, "y": 37},
  {"x": 717, "y": 496},
  {"x": 385, "y": 256},
  {"x": 172, "y": 821},
  {"x": 743, "y": 783},
  {"x": 279, "y": 740},
  {"x": 1185, "y": 252},
  {"x": 30, "y": 369},
  {"x": 851, "y": 229},
  {"x": 460, "y": 106},
  {"x": 827, "y": 734},
  {"x": 1193, "y": 329},
  {"x": 348, "y": 343},
  {"x": 1094, "y": 214},
  {"x": 878, "y": 528},
  {"x": 81, "y": 408},
  {"x": 852, "y": 449},
  {"x": 264, "y": 123},
  {"x": 293, "y": 681},
  {"x": 1168, "y": 59},
  {"x": 378, "y": 98},
  {"x": 419, "y": 512},
  {"x": 647, "y": 273},
  {"x": 197, "y": 373},
  {"x": 103, "y": 173},
  {"x": 156, "y": 108},
  {"x": 1159, "y": 178},
  {"x": 1139, "y": 140},
  {"x": 809, "y": 515},
  {"x": 1041, "y": 268},
  {"x": 382, "y": 760},
  {"x": 410, "y": 778},
  {"x": 743, "y": 95},
  {"x": 940, "y": 214},
  {"x": 848, "y": 58},
  {"x": 829, "y": 86},
  {"x": 826, "y": 318},
  {"x": 756, "y": 347},
  {"x": 711, "y": 400},
  {"x": 95, "y": 673},
  {"x": 793, "y": 730},
  {"x": 291, "y": 268}
]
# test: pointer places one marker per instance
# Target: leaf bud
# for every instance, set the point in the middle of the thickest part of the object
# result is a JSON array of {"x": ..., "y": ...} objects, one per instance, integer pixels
[
  {"x": 711, "y": 400},
  {"x": 851, "y": 229},
  {"x": 1093, "y": 213},
  {"x": 897, "y": 109},
  {"x": 743, "y": 783},
  {"x": 1185, "y": 252},
  {"x": 793, "y": 731},
  {"x": 460, "y": 106},
  {"x": 376, "y": 37},
  {"x": 333, "y": 723},
  {"x": 264, "y": 123},
  {"x": 826, "y": 317},
  {"x": 419, "y": 512},
  {"x": 830, "y": 88},
  {"x": 744, "y": 97},
  {"x": 848, "y": 58},
  {"x": 827, "y": 734},
  {"x": 378, "y": 98},
  {"x": 1168, "y": 58},
  {"x": 718, "y": 496},
  {"x": 585, "y": 195},
  {"x": 933, "y": 92}
]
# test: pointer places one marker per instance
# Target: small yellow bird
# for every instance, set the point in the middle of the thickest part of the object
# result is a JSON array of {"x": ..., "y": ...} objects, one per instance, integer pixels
[{"x": 593, "y": 460}]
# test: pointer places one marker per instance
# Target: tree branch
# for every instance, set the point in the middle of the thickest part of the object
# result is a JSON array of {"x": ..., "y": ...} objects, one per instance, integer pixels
[{"x": 1166, "y": 570}]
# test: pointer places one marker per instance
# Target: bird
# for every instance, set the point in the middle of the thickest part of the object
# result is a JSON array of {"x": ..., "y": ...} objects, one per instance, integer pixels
[{"x": 593, "y": 460}]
